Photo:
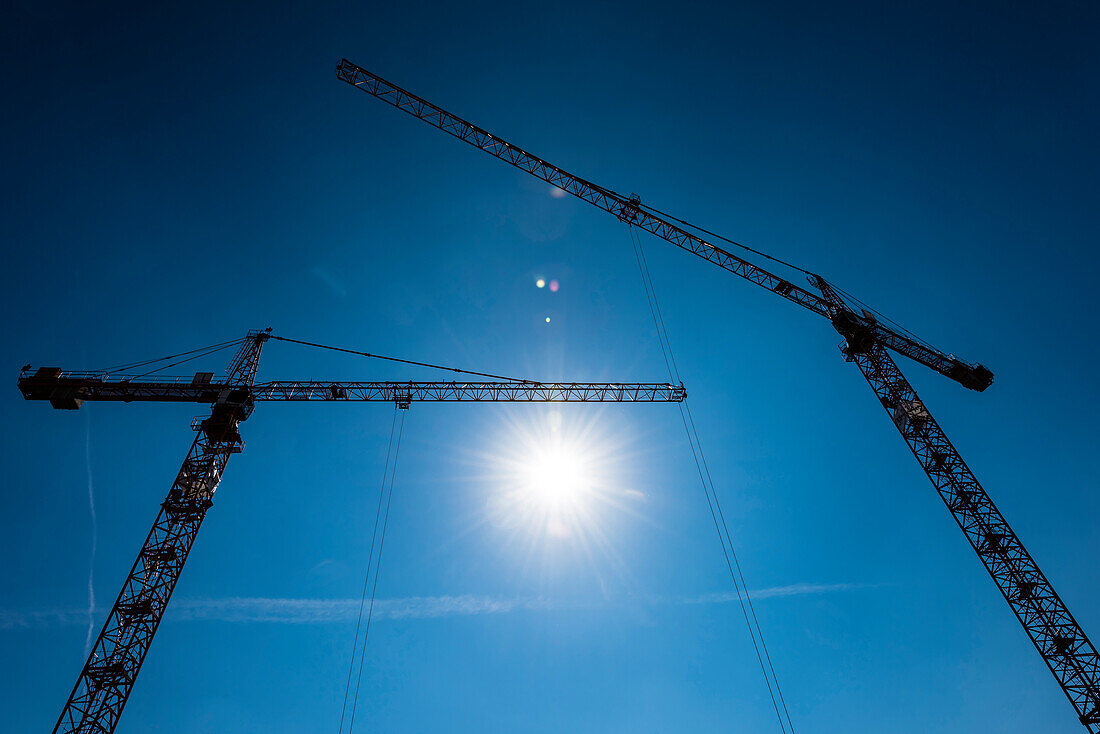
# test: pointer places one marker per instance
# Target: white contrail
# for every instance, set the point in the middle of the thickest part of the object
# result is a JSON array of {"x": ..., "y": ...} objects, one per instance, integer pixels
[
  {"x": 91, "y": 508},
  {"x": 325, "y": 611},
  {"x": 776, "y": 591},
  {"x": 320, "y": 611},
  {"x": 314, "y": 611}
]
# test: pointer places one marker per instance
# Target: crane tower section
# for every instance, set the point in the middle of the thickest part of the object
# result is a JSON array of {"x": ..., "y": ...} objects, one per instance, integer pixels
[{"x": 104, "y": 684}]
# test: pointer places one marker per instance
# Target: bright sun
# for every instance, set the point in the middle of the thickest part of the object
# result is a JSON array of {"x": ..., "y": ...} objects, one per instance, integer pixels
[
  {"x": 556, "y": 482},
  {"x": 555, "y": 478}
]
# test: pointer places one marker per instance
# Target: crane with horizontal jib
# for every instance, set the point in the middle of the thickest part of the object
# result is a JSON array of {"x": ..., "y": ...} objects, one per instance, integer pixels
[
  {"x": 108, "y": 676},
  {"x": 868, "y": 341}
]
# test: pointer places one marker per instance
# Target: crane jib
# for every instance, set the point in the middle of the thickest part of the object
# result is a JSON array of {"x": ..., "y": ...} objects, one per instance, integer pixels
[
  {"x": 975, "y": 377},
  {"x": 69, "y": 390}
]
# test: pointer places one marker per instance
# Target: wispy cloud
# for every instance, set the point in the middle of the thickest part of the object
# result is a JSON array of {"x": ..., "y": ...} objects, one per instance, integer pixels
[
  {"x": 778, "y": 591},
  {"x": 311, "y": 611},
  {"x": 323, "y": 611}
]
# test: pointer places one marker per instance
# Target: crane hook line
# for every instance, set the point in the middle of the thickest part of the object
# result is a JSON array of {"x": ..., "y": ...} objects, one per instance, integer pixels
[
  {"x": 701, "y": 466},
  {"x": 377, "y": 564},
  {"x": 366, "y": 576},
  {"x": 647, "y": 277},
  {"x": 398, "y": 359}
]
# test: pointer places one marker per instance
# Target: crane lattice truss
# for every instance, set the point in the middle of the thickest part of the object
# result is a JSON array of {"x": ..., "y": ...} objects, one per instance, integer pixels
[
  {"x": 1063, "y": 645},
  {"x": 108, "y": 676},
  {"x": 68, "y": 387}
]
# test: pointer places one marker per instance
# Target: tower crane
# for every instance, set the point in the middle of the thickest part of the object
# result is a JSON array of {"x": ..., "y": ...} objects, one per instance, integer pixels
[
  {"x": 1056, "y": 635},
  {"x": 108, "y": 676}
]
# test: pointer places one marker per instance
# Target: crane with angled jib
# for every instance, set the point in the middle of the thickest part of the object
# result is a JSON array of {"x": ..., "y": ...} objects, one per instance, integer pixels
[
  {"x": 868, "y": 341},
  {"x": 96, "y": 702}
]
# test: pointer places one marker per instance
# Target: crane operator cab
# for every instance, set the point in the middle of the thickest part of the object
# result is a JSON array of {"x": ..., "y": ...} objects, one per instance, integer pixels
[{"x": 233, "y": 406}]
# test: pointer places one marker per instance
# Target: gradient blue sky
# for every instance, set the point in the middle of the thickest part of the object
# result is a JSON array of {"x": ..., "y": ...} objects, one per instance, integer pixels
[{"x": 176, "y": 177}]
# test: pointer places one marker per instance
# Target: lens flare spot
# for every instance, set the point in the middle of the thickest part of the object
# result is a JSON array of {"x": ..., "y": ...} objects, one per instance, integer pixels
[
  {"x": 557, "y": 193},
  {"x": 540, "y": 283},
  {"x": 554, "y": 286},
  {"x": 548, "y": 319}
]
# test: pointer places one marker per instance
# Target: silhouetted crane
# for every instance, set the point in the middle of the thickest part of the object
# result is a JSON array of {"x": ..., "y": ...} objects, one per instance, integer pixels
[
  {"x": 105, "y": 681},
  {"x": 1063, "y": 645}
]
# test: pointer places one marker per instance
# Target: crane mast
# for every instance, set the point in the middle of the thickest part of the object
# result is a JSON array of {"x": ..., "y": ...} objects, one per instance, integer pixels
[
  {"x": 96, "y": 702},
  {"x": 104, "y": 684},
  {"x": 1060, "y": 641}
]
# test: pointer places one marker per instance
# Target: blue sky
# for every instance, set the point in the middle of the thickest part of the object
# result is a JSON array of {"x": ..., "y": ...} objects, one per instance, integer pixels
[{"x": 177, "y": 177}]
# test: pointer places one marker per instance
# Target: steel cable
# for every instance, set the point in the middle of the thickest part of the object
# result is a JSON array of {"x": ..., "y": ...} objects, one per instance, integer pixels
[
  {"x": 397, "y": 359},
  {"x": 377, "y": 565},
  {"x": 898, "y": 327},
  {"x": 209, "y": 351},
  {"x": 366, "y": 576},
  {"x": 725, "y": 239},
  {"x": 711, "y": 493},
  {"x": 142, "y": 363}
]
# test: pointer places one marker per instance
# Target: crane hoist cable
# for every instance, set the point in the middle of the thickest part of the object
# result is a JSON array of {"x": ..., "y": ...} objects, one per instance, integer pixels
[
  {"x": 377, "y": 561},
  {"x": 367, "y": 576},
  {"x": 711, "y": 493}
]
